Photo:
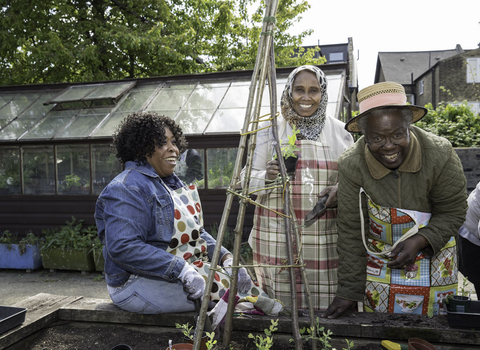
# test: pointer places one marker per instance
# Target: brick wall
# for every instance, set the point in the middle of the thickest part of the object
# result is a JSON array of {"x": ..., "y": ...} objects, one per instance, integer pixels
[{"x": 470, "y": 158}]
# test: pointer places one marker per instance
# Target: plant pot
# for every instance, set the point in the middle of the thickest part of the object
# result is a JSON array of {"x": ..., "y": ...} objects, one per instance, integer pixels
[
  {"x": 203, "y": 344},
  {"x": 12, "y": 258},
  {"x": 419, "y": 344},
  {"x": 181, "y": 346},
  {"x": 290, "y": 165},
  {"x": 458, "y": 303},
  {"x": 98, "y": 259},
  {"x": 71, "y": 259}
]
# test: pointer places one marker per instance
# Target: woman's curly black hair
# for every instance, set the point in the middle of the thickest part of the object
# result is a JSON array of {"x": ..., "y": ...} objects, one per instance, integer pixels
[{"x": 138, "y": 134}]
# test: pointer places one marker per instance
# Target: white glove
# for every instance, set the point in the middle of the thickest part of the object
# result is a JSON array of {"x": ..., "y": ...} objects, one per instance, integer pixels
[
  {"x": 244, "y": 281},
  {"x": 193, "y": 282}
]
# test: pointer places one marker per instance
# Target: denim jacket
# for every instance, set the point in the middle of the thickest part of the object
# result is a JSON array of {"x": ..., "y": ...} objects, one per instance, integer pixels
[{"x": 135, "y": 222}]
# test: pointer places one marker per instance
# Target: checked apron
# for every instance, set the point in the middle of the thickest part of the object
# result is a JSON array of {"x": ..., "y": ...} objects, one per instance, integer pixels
[
  {"x": 420, "y": 287},
  {"x": 187, "y": 243},
  {"x": 315, "y": 170}
]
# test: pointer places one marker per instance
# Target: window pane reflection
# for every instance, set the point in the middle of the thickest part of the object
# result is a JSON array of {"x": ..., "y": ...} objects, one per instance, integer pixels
[
  {"x": 38, "y": 170},
  {"x": 220, "y": 164},
  {"x": 73, "y": 167},
  {"x": 9, "y": 170},
  {"x": 190, "y": 167},
  {"x": 105, "y": 166}
]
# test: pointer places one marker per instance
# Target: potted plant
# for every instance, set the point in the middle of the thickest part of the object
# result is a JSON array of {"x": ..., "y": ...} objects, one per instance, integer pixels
[
  {"x": 68, "y": 248},
  {"x": 97, "y": 250},
  {"x": 289, "y": 152},
  {"x": 460, "y": 302},
  {"x": 20, "y": 254}
]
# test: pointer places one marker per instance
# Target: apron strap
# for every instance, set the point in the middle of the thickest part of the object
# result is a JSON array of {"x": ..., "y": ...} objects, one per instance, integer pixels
[{"x": 413, "y": 230}]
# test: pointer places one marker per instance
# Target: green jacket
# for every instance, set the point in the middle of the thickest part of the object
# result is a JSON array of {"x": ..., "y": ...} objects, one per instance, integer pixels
[{"x": 430, "y": 179}]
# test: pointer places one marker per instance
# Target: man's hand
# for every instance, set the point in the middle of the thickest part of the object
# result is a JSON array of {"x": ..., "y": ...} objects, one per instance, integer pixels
[
  {"x": 340, "y": 306},
  {"x": 406, "y": 252},
  {"x": 273, "y": 169},
  {"x": 331, "y": 191}
]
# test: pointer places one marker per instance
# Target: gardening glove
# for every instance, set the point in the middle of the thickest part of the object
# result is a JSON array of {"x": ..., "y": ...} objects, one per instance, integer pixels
[
  {"x": 244, "y": 281},
  {"x": 193, "y": 282}
]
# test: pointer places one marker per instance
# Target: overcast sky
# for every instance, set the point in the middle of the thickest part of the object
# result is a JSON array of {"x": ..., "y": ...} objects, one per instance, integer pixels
[{"x": 387, "y": 26}]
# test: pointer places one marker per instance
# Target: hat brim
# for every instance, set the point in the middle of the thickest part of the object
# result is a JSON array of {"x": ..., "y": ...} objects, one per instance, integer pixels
[{"x": 418, "y": 113}]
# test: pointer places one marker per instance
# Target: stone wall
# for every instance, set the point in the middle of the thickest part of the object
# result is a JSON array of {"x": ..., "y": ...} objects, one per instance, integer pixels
[{"x": 470, "y": 158}]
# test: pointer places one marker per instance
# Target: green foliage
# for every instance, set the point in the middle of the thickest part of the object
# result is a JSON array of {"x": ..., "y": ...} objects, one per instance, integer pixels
[
  {"x": 210, "y": 342},
  {"x": 290, "y": 148},
  {"x": 65, "y": 41},
  {"x": 265, "y": 343},
  {"x": 320, "y": 334},
  {"x": 70, "y": 181},
  {"x": 186, "y": 329},
  {"x": 70, "y": 236},
  {"x": 9, "y": 238},
  {"x": 457, "y": 123}
]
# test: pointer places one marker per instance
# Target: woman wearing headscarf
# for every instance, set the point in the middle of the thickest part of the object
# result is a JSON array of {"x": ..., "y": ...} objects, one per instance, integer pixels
[{"x": 320, "y": 139}]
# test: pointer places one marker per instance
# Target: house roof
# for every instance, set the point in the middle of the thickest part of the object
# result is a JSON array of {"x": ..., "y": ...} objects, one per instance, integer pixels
[{"x": 399, "y": 66}]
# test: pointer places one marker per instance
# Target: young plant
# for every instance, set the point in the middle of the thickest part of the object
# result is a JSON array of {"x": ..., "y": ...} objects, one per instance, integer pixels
[
  {"x": 290, "y": 148},
  {"x": 321, "y": 335},
  {"x": 8, "y": 238},
  {"x": 265, "y": 343},
  {"x": 70, "y": 236},
  {"x": 210, "y": 342},
  {"x": 465, "y": 290},
  {"x": 186, "y": 329}
]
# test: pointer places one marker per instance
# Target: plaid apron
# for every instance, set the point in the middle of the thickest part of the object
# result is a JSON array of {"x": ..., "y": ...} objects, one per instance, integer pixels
[
  {"x": 421, "y": 286},
  {"x": 315, "y": 170},
  {"x": 187, "y": 243}
]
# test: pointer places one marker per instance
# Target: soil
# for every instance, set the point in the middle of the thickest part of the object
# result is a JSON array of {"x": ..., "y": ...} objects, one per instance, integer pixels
[{"x": 64, "y": 335}]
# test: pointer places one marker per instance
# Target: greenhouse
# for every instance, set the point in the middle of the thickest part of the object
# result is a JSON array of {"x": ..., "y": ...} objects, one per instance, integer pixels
[{"x": 55, "y": 153}]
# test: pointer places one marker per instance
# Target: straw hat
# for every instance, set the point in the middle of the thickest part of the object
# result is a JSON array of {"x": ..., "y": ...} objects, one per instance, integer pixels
[{"x": 383, "y": 95}]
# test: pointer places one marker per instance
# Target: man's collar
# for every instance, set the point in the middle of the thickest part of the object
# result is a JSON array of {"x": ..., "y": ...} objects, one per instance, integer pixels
[{"x": 411, "y": 164}]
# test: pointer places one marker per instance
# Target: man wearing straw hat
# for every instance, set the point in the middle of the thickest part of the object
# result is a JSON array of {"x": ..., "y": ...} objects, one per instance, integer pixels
[{"x": 401, "y": 200}]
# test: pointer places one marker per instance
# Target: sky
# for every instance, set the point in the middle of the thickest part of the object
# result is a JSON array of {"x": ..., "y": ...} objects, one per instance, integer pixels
[{"x": 385, "y": 26}]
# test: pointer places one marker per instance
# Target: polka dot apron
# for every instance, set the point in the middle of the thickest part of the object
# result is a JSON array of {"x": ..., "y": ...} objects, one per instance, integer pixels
[
  {"x": 187, "y": 243},
  {"x": 421, "y": 286}
]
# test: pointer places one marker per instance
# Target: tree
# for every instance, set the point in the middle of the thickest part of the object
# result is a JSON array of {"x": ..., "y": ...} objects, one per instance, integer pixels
[{"x": 75, "y": 40}]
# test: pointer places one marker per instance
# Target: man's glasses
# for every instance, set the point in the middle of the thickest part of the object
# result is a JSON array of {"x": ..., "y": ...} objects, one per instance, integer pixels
[{"x": 396, "y": 139}]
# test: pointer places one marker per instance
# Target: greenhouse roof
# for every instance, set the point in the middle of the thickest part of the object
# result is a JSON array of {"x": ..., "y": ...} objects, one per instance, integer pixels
[{"x": 204, "y": 104}]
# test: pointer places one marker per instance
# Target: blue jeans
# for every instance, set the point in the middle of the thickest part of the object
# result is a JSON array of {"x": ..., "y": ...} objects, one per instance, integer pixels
[{"x": 148, "y": 295}]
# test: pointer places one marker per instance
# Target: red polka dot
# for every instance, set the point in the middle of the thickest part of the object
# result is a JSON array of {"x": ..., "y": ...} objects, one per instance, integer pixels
[
  {"x": 198, "y": 207},
  {"x": 198, "y": 264},
  {"x": 190, "y": 209},
  {"x": 185, "y": 238},
  {"x": 204, "y": 249},
  {"x": 187, "y": 256},
  {"x": 217, "y": 277},
  {"x": 177, "y": 214},
  {"x": 192, "y": 187}
]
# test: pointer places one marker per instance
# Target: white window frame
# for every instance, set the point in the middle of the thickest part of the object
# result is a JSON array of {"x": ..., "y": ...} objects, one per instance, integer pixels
[
  {"x": 473, "y": 70},
  {"x": 421, "y": 86}
]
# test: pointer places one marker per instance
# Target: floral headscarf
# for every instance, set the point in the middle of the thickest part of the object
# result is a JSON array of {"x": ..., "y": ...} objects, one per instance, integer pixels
[{"x": 310, "y": 127}]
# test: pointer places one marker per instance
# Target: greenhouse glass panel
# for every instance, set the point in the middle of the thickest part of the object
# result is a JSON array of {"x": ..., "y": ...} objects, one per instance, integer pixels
[
  {"x": 11, "y": 110},
  {"x": 237, "y": 96},
  {"x": 73, "y": 93},
  {"x": 170, "y": 99},
  {"x": 190, "y": 167},
  {"x": 109, "y": 126},
  {"x": 6, "y": 98},
  {"x": 134, "y": 101},
  {"x": 110, "y": 90},
  {"x": 54, "y": 122},
  {"x": 73, "y": 168},
  {"x": 105, "y": 166},
  {"x": 16, "y": 128},
  {"x": 230, "y": 120},
  {"x": 38, "y": 170},
  {"x": 9, "y": 170},
  {"x": 194, "y": 121},
  {"x": 84, "y": 123},
  {"x": 205, "y": 98},
  {"x": 220, "y": 164}
]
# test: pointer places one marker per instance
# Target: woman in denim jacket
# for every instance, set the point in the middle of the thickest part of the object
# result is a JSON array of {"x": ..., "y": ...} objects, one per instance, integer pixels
[{"x": 151, "y": 224}]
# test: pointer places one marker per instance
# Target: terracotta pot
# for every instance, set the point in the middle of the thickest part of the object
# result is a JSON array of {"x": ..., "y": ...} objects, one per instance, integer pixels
[
  {"x": 419, "y": 344},
  {"x": 181, "y": 346}
]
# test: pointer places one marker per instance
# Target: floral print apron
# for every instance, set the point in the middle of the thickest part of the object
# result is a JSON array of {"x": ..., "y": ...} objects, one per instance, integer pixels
[
  {"x": 187, "y": 243},
  {"x": 419, "y": 288}
]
